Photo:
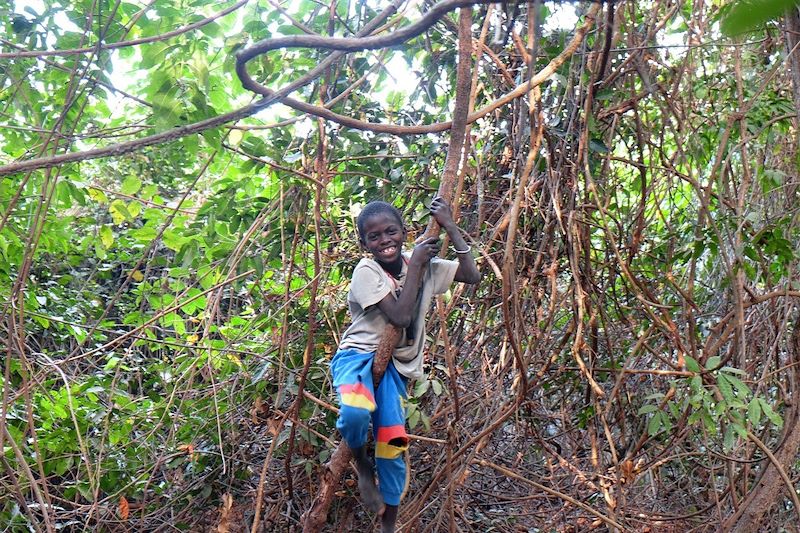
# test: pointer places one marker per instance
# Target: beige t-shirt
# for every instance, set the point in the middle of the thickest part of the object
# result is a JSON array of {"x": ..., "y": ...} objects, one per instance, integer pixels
[{"x": 370, "y": 284}]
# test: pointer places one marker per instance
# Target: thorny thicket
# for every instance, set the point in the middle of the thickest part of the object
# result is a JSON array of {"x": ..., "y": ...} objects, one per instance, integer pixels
[{"x": 630, "y": 359}]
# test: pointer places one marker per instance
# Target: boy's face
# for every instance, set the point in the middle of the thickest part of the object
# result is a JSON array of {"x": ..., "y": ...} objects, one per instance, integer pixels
[{"x": 384, "y": 236}]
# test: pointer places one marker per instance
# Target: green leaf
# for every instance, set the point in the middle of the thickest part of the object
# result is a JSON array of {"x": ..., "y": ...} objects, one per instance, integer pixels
[
  {"x": 144, "y": 235},
  {"x": 42, "y": 321},
  {"x": 691, "y": 364},
  {"x": 174, "y": 321},
  {"x": 754, "y": 412},
  {"x": 725, "y": 387},
  {"x": 85, "y": 491},
  {"x": 134, "y": 209},
  {"x": 131, "y": 185},
  {"x": 729, "y": 439},
  {"x": 655, "y": 424},
  {"x": 60, "y": 411},
  {"x": 708, "y": 421},
  {"x": 106, "y": 236},
  {"x": 97, "y": 195},
  {"x": 773, "y": 417},
  {"x": 696, "y": 384},
  {"x": 713, "y": 362},
  {"x": 172, "y": 240},
  {"x": 647, "y": 409},
  {"x": 119, "y": 212},
  {"x": 747, "y": 15},
  {"x": 674, "y": 410},
  {"x": 198, "y": 304},
  {"x": 741, "y": 388},
  {"x": 413, "y": 415}
]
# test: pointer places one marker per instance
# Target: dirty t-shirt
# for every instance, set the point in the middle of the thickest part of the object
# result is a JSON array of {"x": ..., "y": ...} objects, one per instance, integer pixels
[{"x": 370, "y": 284}]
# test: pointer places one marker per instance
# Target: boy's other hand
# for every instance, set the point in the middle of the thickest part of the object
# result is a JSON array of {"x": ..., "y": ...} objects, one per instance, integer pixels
[
  {"x": 441, "y": 212},
  {"x": 425, "y": 251}
]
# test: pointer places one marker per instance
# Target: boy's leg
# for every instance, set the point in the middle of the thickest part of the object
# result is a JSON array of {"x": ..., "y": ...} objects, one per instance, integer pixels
[
  {"x": 389, "y": 519},
  {"x": 352, "y": 378},
  {"x": 391, "y": 441}
]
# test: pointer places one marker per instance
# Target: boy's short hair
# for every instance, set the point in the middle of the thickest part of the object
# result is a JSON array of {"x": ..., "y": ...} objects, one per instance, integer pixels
[{"x": 376, "y": 207}]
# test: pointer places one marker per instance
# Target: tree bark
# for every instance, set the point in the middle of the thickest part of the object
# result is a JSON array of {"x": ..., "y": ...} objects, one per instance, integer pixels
[
  {"x": 792, "y": 33},
  {"x": 792, "y": 40}
]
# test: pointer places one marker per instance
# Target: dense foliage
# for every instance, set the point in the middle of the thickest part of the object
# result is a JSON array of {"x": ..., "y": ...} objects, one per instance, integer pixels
[{"x": 168, "y": 309}]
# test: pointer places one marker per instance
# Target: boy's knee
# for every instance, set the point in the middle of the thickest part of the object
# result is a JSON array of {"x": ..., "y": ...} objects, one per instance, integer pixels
[
  {"x": 356, "y": 396},
  {"x": 354, "y": 416},
  {"x": 353, "y": 424},
  {"x": 392, "y": 441}
]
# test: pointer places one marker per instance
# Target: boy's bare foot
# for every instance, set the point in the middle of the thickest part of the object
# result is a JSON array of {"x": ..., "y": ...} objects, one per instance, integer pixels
[
  {"x": 389, "y": 519},
  {"x": 366, "y": 481}
]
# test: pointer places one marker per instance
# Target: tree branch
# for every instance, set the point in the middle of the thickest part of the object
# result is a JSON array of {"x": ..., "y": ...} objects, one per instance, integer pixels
[
  {"x": 122, "y": 44},
  {"x": 280, "y": 96}
]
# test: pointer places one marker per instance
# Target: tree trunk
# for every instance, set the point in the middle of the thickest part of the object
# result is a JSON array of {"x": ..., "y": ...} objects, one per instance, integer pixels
[
  {"x": 793, "y": 49},
  {"x": 335, "y": 469}
]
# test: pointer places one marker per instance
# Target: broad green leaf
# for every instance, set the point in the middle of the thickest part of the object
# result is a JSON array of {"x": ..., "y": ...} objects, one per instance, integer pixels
[
  {"x": 144, "y": 235},
  {"x": 725, "y": 387},
  {"x": 119, "y": 212},
  {"x": 741, "y": 388},
  {"x": 134, "y": 209},
  {"x": 691, "y": 364},
  {"x": 97, "y": 195},
  {"x": 739, "y": 429},
  {"x": 195, "y": 305},
  {"x": 173, "y": 320},
  {"x": 754, "y": 412},
  {"x": 655, "y": 423},
  {"x": 131, "y": 185},
  {"x": 647, "y": 409},
  {"x": 106, "y": 236},
  {"x": 773, "y": 417},
  {"x": 747, "y": 15},
  {"x": 413, "y": 419},
  {"x": 729, "y": 439},
  {"x": 173, "y": 240}
]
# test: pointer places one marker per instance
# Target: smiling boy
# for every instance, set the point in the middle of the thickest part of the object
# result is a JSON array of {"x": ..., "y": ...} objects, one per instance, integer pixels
[{"x": 389, "y": 288}]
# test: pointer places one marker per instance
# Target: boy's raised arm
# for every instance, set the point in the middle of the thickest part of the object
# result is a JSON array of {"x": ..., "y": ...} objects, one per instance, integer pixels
[
  {"x": 467, "y": 269},
  {"x": 400, "y": 311}
]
